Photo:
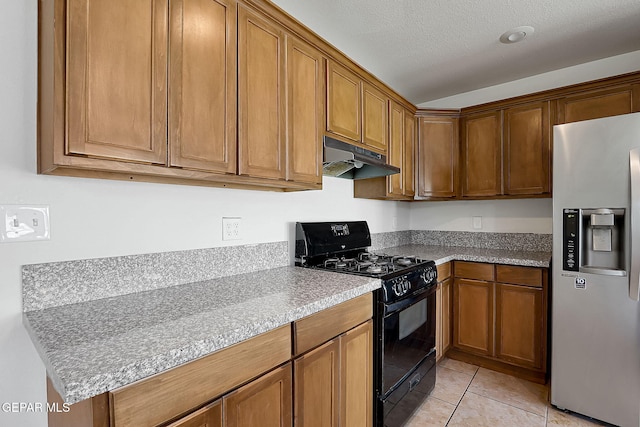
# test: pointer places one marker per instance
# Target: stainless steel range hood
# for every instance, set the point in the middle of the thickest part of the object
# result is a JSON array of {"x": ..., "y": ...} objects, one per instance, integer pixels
[{"x": 348, "y": 161}]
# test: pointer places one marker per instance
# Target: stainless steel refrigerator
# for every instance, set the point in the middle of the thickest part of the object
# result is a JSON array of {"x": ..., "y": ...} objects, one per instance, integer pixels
[{"x": 595, "y": 326}]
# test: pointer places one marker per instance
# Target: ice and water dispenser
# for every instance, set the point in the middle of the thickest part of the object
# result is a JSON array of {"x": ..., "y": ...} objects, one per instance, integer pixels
[{"x": 594, "y": 241}]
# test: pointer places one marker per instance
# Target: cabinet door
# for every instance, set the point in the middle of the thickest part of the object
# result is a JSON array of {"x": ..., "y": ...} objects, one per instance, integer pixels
[
  {"x": 527, "y": 151},
  {"x": 438, "y": 157},
  {"x": 374, "y": 118},
  {"x": 481, "y": 155},
  {"x": 317, "y": 386},
  {"x": 439, "y": 322},
  {"x": 261, "y": 96},
  {"x": 473, "y": 316},
  {"x": 408, "y": 169},
  {"x": 202, "y": 81},
  {"x": 209, "y": 416},
  {"x": 446, "y": 313},
  {"x": 343, "y": 102},
  {"x": 305, "y": 112},
  {"x": 356, "y": 376},
  {"x": 117, "y": 79},
  {"x": 265, "y": 402},
  {"x": 519, "y": 324},
  {"x": 396, "y": 147},
  {"x": 599, "y": 103}
]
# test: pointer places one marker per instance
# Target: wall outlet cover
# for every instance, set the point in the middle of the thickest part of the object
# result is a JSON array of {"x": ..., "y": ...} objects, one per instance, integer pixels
[
  {"x": 231, "y": 228},
  {"x": 22, "y": 223},
  {"x": 477, "y": 222}
]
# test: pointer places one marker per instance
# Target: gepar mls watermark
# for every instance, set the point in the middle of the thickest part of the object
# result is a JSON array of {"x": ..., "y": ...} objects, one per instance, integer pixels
[{"x": 26, "y": 407}]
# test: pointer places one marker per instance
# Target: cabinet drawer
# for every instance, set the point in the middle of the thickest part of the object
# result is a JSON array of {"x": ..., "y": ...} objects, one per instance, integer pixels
[
  {"x": 161, "y": 397},
  {"x": 529, "y": 276},
  {"x": 474, "y": 270},
  {"x": 311, "y": 331},
  {"x": 444, "y": 271}
]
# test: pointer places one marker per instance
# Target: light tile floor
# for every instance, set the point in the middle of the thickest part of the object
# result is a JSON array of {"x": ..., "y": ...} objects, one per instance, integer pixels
[{"x": 466, "y": 395}]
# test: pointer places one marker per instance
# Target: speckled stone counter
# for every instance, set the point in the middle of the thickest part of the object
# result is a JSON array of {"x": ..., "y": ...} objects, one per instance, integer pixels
[
  {"x": 442, "y": 254},
  {"x": 92, "y": 347}
]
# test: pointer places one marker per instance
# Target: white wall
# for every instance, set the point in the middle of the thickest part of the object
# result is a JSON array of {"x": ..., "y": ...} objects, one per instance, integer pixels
[
  {"x": 98, "y": 218},
  {"x": 502, "y": 216}
]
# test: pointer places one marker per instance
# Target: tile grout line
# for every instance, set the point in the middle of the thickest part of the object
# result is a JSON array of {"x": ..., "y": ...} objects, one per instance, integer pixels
[
  {"x": 509, "y": 404},
  {"x": 462, "y": 397}
]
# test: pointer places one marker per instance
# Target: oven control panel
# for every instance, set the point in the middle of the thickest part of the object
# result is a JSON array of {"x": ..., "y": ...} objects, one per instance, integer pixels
[
  {"x": 405, "y": 284},
  {"x": 340, "y": 229}
]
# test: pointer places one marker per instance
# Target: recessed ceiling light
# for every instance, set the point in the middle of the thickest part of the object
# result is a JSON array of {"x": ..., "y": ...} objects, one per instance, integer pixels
[{"x": 516, "y": 35}]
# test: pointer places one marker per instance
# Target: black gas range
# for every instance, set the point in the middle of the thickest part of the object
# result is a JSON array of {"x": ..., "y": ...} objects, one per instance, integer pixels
[{"x": 404, "y": 311}]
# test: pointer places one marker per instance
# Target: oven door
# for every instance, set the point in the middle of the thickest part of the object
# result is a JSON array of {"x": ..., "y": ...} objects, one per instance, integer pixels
[{"x": 409, "y": 336}]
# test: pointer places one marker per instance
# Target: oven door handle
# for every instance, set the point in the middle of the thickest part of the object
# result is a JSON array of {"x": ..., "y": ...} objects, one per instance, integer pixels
[{"x": 410, "y": 300}]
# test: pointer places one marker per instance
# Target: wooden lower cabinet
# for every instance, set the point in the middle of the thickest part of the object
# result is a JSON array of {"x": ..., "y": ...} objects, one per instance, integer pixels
[
  {"x": 265, "y": 402},
  {"x": 473, "y": 308},
  {"x": 317, "y": 386},
  {"x": 333, "y": 384},
  {"x": 209, "y": 416},
  {"x": 322, "y": 362},
  {"x": 444, "y": 298},
  {"x": 501, "y": 326},
  {"x": 356, "y": 376},
  {"x": 519, "y": 324}
]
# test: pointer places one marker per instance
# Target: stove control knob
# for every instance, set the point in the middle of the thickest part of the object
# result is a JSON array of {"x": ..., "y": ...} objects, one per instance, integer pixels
[
  {"x": 400, "y": 286},
  {"x": 406, "y": 286},
  {"x": 429, "y": 275},
  {"x": 396, "y": 289}
]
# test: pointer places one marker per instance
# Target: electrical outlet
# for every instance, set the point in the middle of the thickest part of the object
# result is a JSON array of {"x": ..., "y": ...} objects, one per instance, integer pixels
[
  {"x": 477, "y": 222},
  {"x": 19, "y": 223},
  {"x": 231, "y": 229}
]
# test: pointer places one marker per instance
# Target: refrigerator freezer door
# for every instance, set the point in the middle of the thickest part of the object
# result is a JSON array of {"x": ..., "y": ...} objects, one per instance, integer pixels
[
  {"x": 634, "y": 279},
  {"x": 595, "y": 327}
]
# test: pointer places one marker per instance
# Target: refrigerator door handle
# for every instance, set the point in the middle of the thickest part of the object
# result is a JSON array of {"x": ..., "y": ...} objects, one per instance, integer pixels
[{"x": 634, "y": 280}]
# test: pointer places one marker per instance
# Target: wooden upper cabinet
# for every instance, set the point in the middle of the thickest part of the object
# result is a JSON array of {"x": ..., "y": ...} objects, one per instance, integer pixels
[
  {"x": 396, "y": 147},
  {"x": 344, "y": 90},
  {"x": 202, "y": 85},
  {"x": 117, "y": 79},
  {"x": 264, "y": 402},
  {"x": 408, "y": 169},
  {"x": 305, "y": 111},
  {"x": 261, "y": 96},
  {"x": 375, "y": 121},
  {"x": 600, "y": 103},
  {"x": 481, "y": 155},
  {"x": 438, "y": 157},
  {"x": 527, "y": 154}
]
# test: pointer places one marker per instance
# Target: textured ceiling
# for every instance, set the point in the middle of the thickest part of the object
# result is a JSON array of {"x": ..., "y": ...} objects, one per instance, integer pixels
[{"x": 432, "y": 49}]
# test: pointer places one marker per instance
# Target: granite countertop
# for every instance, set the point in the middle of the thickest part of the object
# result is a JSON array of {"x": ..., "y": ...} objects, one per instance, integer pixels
[
  {"x": 92, "y": 347},
  {"x": 99, "y": 345},
  {"x": 442, "y": 254}
]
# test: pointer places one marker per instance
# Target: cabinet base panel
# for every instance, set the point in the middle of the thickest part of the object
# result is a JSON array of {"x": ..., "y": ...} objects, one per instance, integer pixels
[{"x": 539, "y": 377}]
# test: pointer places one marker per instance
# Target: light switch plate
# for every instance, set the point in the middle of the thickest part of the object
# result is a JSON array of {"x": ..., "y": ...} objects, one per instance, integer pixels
[{"x": 23, "y": 223}]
